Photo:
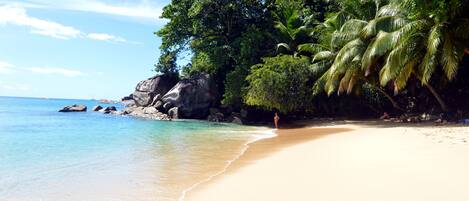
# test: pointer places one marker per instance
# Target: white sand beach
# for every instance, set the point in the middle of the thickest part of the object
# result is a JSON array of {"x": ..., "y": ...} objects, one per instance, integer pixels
[{"x": 365, "y": 163}]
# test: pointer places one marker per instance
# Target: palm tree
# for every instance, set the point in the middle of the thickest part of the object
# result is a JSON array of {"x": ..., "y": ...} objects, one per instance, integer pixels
[
  {"x": 357, "y": 26},
  {"x": 294, "y": 28},
  {"x": 434, "y": 37}
]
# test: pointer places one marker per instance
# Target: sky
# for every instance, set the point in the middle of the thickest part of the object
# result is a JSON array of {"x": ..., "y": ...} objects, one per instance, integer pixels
[{"x": 78, "y": 49}]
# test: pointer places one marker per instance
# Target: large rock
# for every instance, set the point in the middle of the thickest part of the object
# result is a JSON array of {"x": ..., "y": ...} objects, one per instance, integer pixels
[
  {"x": 109, "y": 109},
  {"x": 193, "y": 97},
  {"x": 74, "y": 108},
  {"x": 97, "y": 108},
  {"x": 147, "y": 89}
]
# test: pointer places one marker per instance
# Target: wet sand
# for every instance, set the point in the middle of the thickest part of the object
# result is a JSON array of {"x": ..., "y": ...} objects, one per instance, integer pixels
[{"x": 346, "y": 162}]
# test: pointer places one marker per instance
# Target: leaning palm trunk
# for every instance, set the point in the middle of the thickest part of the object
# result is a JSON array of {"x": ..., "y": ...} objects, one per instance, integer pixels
[
  {"x": 393, "y": 102},
  {"x": 440, "y": 100}
]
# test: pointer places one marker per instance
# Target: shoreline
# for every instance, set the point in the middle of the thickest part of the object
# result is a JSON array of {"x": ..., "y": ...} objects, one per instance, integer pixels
[
  {"x": 366, "y": 161},
  {"x": 269, "y": 133},
  {"x": 252, "y": 152}
]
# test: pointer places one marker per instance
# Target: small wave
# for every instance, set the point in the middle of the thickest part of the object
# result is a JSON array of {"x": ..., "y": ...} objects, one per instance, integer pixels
[{"x": 256, "y": 137}]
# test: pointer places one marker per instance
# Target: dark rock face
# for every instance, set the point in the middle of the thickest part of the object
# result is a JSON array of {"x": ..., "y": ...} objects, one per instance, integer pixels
[
  {"x": 97, "y": 108},
  {"x": 74, "y": 108},
  {"x": 237, "y": 120},
  {"x": 109, "y": 109},
  {"x": 167, "y": 106},
  {"x": 215, "y": 115},
  {"x": 156, "y": 99},
  {"x": 193, "y": 97},
  {"x": 174, "y": 113},
  {"x": 147, "y": 89},
  {"x": 128, "y": 98},
  {"x": 159, "y": 105}
]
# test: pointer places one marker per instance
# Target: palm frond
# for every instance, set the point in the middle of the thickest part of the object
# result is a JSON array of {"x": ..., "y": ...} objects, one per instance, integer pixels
[
  {"x": 400, "y": 81},
  {"x": 311, "y": 48},
  {"x": 284, "y": 30},
  {"x": 385, "y": 23},
  {"x": 283, "y": 45},
  {"x": 429, "y": 63},
  {"x": 389, "y": 10},
  {"x": 451, "y": 54},
  {"x": 381, "y": 45},
  {"x": 324, "y": 55}
]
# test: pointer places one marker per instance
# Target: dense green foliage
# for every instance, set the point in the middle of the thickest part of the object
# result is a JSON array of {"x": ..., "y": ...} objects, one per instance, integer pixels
[
  {"x": 283, "y": 54},
  {"x": 281, "y": 83}
]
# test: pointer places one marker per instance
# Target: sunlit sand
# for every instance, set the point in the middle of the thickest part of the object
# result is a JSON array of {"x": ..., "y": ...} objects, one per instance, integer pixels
[{"x": 357, "y": 162}]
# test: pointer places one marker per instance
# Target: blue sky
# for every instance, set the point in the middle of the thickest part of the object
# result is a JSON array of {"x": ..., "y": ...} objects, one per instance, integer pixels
[{"x": 77, "y": 48}]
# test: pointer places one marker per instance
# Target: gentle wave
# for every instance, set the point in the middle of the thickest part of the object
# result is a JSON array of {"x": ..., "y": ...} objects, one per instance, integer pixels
[{"x": 265, "y": 135}]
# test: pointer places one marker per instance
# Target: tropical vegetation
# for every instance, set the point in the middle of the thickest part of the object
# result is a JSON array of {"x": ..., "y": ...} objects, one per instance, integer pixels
[{"x": 324, "y": 57}]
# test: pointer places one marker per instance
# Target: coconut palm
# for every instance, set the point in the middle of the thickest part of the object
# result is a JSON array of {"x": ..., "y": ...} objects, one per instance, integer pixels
[
  {"x": 434, "y": 37},
  {"x": 293, "y": 27},
  {"x": 359, "y": 27}
]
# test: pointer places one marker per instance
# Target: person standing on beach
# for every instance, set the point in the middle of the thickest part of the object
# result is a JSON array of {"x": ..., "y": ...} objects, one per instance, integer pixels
[{"x": 276, "y": 118}]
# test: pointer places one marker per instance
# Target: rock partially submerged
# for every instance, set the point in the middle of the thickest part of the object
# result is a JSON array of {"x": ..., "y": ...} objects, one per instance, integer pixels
[
  {"x": 147, "y": 89},
  {"x": 97, "y": 108},
  {"x": 74, "y": 108},
  {"x": 109, "y": 109}
]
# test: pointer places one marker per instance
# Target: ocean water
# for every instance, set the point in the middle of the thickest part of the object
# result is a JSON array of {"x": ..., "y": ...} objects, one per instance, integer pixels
[{"x": 50, "y": 156}]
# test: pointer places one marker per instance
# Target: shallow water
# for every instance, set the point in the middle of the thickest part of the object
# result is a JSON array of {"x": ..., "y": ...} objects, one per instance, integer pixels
[{"x": 50, "y": 156}]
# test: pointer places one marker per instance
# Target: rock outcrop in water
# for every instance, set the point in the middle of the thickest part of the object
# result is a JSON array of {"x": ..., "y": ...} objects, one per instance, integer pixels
[
  {"x": 147, "y": 89},
  {"x": 74, "y": 108},
  {"x": 109, "y": 109},
  {"x": 97, "y": 108},
  {"x": 162, "y": 97}
]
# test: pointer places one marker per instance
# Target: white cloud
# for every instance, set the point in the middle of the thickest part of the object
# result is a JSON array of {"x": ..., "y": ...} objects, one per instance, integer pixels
[
  {"x": 59, "y": 71},
  {"x": 16, "y": 87},
  {"x": 14, "y": 15},
  {"x": 5, "y": 67},
  {"x": 142, "y": 10},
  {"x": 17, "y": 16},
  {"x": 105, "y": 37},
  {"x": 145, "y": 9}
]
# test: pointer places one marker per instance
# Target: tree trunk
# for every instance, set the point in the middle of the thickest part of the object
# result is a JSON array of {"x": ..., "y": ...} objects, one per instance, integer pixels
[
  {"x": 393, "y": 102},
  {"x": 440, "y": 100}
]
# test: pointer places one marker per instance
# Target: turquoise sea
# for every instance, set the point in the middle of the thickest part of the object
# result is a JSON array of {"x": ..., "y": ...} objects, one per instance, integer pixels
[{"x": 50, "y": 156}]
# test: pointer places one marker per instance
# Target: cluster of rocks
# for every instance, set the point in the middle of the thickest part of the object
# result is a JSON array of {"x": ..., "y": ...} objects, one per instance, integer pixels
[
  {"x": 145, "y": 112},
  {"x": 224, "y": 115},
  {"x": 164, "y": 97},
  {"x": 107, "y": 110}
]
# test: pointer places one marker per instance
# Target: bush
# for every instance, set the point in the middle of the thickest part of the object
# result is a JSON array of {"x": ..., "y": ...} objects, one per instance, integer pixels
[{"x": 282, "y": 83}]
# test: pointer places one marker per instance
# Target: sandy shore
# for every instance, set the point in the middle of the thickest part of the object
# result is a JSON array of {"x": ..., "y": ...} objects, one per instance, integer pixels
[{"x": 349, "y": 162}]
